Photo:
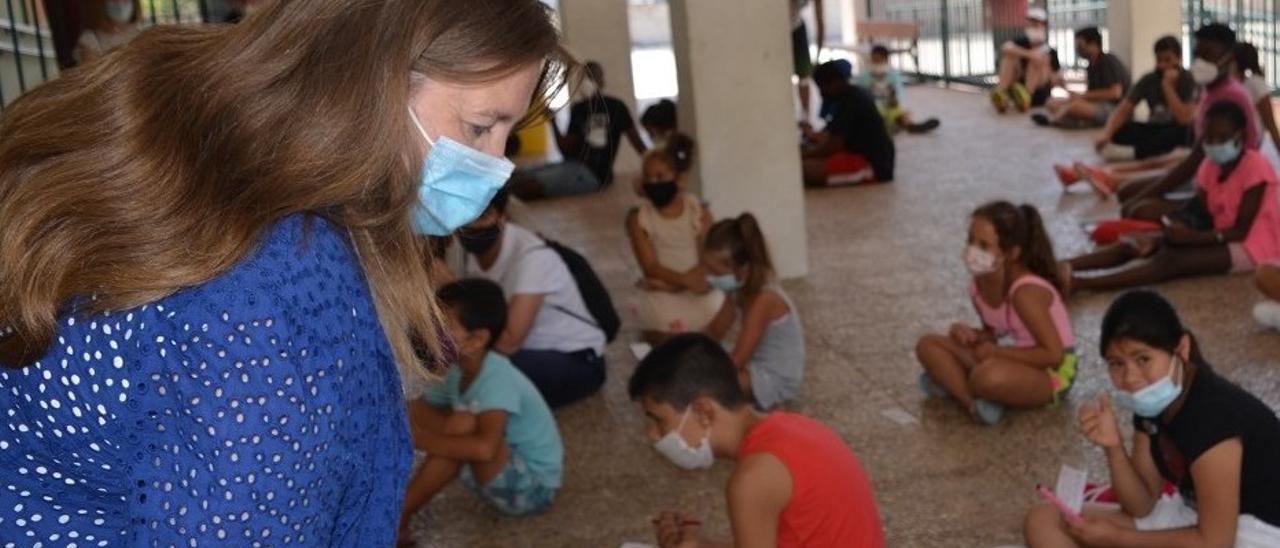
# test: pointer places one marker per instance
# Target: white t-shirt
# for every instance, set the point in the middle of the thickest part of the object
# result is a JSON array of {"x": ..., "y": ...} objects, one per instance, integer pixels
[
  {"x": 1258, "y": 87},
  {"x": 526, "y": 266}
]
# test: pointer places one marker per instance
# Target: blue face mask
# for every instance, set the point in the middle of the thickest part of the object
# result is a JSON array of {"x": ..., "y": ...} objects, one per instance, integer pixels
[
  {"x": 1223, "y": 153},
  {"x": 727, "y": 283},
  {"x": 458, "y": 182},
  {"x": 1155, "y": 398}
]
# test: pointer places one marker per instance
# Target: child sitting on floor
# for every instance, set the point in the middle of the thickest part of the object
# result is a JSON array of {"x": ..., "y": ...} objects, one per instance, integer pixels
[
  {"x": 795, "y": 481},
  {"x": 1217, "y": 443},
  {"x": 1015, "y": 290},
  {"x": 1237, "y": 187},
  {"x": 485, "y": 422},
  {"x": 666, "y": 235},
  {"x": 885, "y": 84},
  {"x": 769, "y": 351}
]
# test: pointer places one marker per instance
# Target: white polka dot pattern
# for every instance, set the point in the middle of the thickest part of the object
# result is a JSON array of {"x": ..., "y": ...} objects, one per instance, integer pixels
[{"x": 260, "y": 409}]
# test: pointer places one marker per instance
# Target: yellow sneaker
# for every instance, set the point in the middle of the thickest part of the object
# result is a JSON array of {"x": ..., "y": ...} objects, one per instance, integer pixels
[
  {"x": 1000, "y": 100},
  {"x": 1021, "y": 97}
]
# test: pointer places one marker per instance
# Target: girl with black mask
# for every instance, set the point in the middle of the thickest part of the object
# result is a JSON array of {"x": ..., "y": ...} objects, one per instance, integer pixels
[{"x": 666, "y": 233}]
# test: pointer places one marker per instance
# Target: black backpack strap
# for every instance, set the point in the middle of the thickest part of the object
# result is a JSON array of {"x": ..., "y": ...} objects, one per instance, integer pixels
[{"x": 557, "y": 307}]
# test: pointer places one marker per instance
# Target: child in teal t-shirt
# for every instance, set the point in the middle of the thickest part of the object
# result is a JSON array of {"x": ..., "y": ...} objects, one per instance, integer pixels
[{"x": 485, "y": 422}]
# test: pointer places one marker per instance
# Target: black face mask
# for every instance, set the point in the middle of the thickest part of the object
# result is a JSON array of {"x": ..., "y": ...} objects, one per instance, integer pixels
[
  {"x": 661, "y": 193},
  {"x": 479, "y": 241}
]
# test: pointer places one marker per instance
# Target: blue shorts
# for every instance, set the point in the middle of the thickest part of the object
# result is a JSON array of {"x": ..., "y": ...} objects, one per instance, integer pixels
[{"x": 516, "y": 490}]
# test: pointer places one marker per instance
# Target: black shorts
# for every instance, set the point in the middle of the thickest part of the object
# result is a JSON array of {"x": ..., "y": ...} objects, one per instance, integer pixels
[{"x": 801, "y": 62}]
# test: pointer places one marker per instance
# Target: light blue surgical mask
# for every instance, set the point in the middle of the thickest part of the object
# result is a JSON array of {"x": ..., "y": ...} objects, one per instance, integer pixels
[
  {"x": 1223, "y": 153},
  {"x": 727, "y": 283},
  {"x": 458, "y": 182},
  {"x": 1155, "y": 398}
]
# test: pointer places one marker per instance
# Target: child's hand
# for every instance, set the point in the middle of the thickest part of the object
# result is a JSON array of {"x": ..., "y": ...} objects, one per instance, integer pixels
[
  {"x": 985, "y": 350},
  {"x": 965, "y": 335},
  {"x": 1098, "y": 422},
  {"x": 1091, "y": 531},
  {"x": 696, "y": 282},
  {"x": 676, "y": 530},
  {"x": 1144, "y": 245}
]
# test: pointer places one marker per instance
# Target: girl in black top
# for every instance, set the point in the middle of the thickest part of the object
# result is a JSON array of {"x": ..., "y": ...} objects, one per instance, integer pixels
[{"x": 1219, "y": 445}]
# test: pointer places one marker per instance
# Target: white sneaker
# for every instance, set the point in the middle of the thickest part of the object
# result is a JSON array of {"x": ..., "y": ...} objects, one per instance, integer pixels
[
  {"x": 1267, "y": 313},
  {"x": 1117, "y": 153}
]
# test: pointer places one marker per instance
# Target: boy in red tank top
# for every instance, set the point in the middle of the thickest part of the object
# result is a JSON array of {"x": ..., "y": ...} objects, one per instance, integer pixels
[{"x": 795, "y": 482}]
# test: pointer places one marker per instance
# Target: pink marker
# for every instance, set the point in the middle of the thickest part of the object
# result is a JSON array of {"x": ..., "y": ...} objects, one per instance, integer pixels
[{"x": 1057, "y": 502}]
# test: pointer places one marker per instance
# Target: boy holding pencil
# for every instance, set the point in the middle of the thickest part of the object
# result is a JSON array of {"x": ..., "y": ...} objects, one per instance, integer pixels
[{"x": 795, "y": 482}]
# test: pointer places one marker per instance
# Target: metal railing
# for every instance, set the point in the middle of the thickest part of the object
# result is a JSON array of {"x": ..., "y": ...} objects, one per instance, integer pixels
[
  {"x": 959, "y": 39},
  {"x": 28, "y": 56},
  {"x": 1255, "y": 21}
]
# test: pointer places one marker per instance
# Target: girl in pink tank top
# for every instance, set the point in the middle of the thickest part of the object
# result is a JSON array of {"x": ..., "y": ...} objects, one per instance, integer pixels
[
  {"x": 1023, "y": 354},
  {"x": 1237, "y": 188}
]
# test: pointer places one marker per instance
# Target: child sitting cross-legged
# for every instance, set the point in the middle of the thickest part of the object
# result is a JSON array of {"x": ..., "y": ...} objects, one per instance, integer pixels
[
  {"x": 1015, "y": 290},
  {"x": 485, "y": 422}
]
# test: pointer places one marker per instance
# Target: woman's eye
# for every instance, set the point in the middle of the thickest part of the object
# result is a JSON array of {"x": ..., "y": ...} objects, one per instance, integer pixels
[{"x": 480, "y": 131}]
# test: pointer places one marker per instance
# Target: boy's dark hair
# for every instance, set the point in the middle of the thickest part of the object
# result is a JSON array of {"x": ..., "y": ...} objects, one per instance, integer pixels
[
  {"x": 1090, "y": 35},
  {"x": 479, "y": 304},
  {"x": 1229, "y": 111},
  {"x": 1246, "y": 56},
  {"x": 1170, "y": 44},
  {"x": 879, "y": 50},
  {"x": 831, "y": 72},
  {"x": 685, "y": 368},
  {"x": 1217, "y": 33},
  {"x": 660, "y": 115},
  {"x": 1021, "y": 226},
  {"x": 1145, "y": 316}
]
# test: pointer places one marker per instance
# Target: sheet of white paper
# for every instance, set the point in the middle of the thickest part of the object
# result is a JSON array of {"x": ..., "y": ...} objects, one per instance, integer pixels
[
  {"x": 899, "y": 416},
  {"x": 636, "y": 545},
  {"x": 1070, "y": 488},
  {"x": 640, "y": 350}
]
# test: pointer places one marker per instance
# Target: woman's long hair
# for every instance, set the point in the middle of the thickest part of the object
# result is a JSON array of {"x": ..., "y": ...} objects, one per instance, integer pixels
[{"x": 161, "y": 165}]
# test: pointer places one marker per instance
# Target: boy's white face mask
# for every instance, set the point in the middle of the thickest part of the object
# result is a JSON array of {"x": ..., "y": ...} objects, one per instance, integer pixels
[{"x": 673, "y": 446}]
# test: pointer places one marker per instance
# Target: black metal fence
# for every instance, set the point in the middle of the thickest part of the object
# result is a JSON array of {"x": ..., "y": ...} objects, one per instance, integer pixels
[
  {"x": 959, "y": 38},
  {"x": 1255, "y": 21}
]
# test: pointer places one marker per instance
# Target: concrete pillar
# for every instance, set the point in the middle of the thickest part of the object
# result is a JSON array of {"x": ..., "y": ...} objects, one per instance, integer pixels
[
  {"x": 734, "y": 69},
  {"x": 597, "y": 30},
  {"x": 1133, "y": 26}
]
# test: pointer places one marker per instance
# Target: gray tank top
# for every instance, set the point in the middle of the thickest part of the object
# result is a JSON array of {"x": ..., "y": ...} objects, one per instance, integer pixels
[{"x": 780, "y": 354}]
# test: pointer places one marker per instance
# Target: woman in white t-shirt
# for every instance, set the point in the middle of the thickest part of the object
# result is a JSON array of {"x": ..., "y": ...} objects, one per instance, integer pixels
[
  {"x": 1248, "y": 71},
  {"x": 550, "y": 336},
  {"x": 108, "y": 24}
]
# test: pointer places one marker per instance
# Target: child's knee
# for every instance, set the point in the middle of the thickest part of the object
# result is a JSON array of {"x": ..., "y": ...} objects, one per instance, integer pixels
[
  {"x": 929, "y": 343},
  {"x": 460, "y": 423},
  {"x": 1042, "y": 518},
  {"x": 986, "y": 379}
]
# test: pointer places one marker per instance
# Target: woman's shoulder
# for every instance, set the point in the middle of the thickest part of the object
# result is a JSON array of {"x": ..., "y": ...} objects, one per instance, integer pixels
[{"x": 300, "y": 264}]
